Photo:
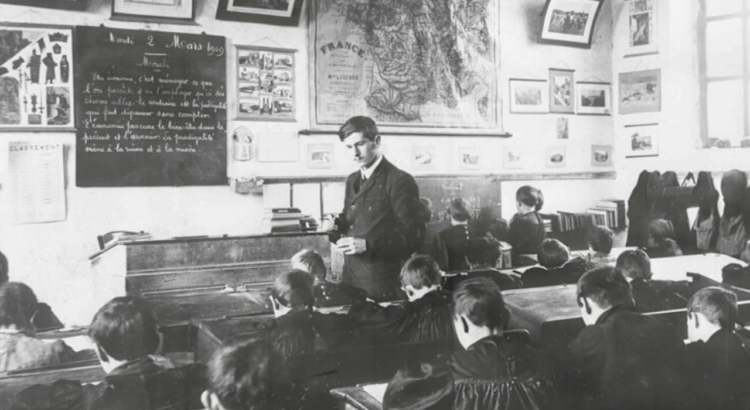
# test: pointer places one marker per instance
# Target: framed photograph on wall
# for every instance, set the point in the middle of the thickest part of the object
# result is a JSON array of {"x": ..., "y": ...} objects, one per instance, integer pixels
[
  {"x": 36, "y": 78},
  {"x": 557, "y": 157},
  {"x": 514, "y": 158},
  {"x": 423, "y": 157},
  {"x": 643, "y": 140},
  {"x": 601, "y": 155},
  {"x": 528, "y": 96},
  {"x": 561, "y": 91},
  {"x": 50, "y": 4},
  {"x": 569, "y": 22},
  {"x": 640, "y": 91},
  {"x": 277, "y": 12},
  {"x": 594, "y": 98},
  {"x": 173, "y": 10},
  {"x": 265, "y": 84},
  {"x": 642, "y": 28},
  {"x": 469, "y": 158},
  {"x": 320, "y": 156}
]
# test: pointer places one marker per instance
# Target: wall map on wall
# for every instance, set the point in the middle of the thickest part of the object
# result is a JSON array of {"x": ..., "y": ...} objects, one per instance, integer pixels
[
  {"x": 36, "y": 77},
  {"x": 151, "y": 108},
  {"x": 431, "y": 67}
]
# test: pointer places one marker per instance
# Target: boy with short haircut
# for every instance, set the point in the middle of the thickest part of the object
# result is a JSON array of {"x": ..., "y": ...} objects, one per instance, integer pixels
[
  {"x": 326, "y": 293},
  {"x": 526, "y": 229},
  {"x": 451, "y": 245},
  {"x": 600, "y": 240},
  {"x": 482, "y": 255},
  {"x": 619, "y": 361},
  {"x": 557, "y": 266},
  {"x": 717, "y": 358},
  {"x": 495, "y": 369}
]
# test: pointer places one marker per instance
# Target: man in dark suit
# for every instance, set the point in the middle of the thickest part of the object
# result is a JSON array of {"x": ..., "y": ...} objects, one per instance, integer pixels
[{"x": 381, "y": 220}]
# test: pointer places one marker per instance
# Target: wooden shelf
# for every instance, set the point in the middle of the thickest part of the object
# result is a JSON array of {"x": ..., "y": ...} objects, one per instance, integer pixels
[{"x": 494, "y": 177}]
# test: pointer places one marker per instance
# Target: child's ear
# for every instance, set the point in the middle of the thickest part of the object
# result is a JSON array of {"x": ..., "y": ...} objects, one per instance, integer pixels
[
  {"x": 464, "y": 324},
  {"x": 274, "y": 303},
  {"x": 102, "y": 354},
  {"x": 586, "y": 304}
]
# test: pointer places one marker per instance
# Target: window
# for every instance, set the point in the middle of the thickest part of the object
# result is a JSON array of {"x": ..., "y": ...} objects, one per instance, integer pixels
[{"x": 725, "y": 73}]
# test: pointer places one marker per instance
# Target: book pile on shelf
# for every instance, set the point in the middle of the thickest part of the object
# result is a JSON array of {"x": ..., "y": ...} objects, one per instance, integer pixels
[
  {"x": 608, "y": 212},
  {"x": 283, "y": 220}
]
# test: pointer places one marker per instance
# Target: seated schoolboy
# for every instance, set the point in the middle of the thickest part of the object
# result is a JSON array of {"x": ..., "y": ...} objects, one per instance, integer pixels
[
  {"x": 19, "y": 349},
  {"x": 495, "y": 369},
  {"x": 661, "y": 242},
  {"x": 326, "y": 293},
  {"x": 600, "y": 240},
  {"x": 483, "y": 254},
  {"x": 557, "y": 266},
  {"x": 636, "y": 266},
  {"x": 489, "y": 222},
  {"x": 44, "y": 318},
  {"x": 526, "y": 230},
  {"x": 718, "y": 358},
  {"x": 452, "y": 242},
  {"x": 621, "y": 359},
  {"x": 425, "y": 316}
]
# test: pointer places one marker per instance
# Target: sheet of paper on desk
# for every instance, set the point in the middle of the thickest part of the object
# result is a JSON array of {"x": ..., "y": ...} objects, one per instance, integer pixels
[
  {"x": 376, "y": 390},
  {"x": 77, "y": 343},
  {"x": 37, "y": 185}
]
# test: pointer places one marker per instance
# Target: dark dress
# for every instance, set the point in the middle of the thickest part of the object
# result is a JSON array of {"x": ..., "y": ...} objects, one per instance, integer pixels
[
  {"x": 624, "y": 362},
  {"x": 566, "y": 274},
  {"x": 297, "y": 333},
  {"x": 328, "y": 294},
  {"x": 497, "y": 372},
  {"x": 451, "y": 248},
  {"x": 526, "y": 234},
  {"x": 502, "y": 280}
]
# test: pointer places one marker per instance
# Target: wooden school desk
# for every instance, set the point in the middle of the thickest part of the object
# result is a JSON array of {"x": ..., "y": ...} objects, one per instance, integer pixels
[{"x": 677, "y": 267}]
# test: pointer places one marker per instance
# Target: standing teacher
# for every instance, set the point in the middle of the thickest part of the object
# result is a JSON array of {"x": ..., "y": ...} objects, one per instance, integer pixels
[{"x": 380, "y": 221}]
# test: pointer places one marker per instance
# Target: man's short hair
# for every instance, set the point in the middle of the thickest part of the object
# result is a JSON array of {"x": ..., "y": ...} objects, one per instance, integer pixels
[
  {"x": 17, "y": 306},
  {"x": 606, "y": 286},
  {"x": 362, "y": 124},
  {"x": 483, "y": 251},
  {"x": 425, "y": 210},
  {"x": 125, "y": 328},
  {"x": 634, "y": 264},
  {"x": 718, "y": 305},
  {"x": 247, "y": 376},
  {"x": 309, "y": 261},
  {"x": 530, "y": 196},
  {"x": 3, "y": 268},
  {"x": 421, "y": 271},
  {"x": 601, "y": 239},
  {"x": 294, "y": 289},
  {"x": 553, "y": 253},
  {"x": 459, "y": 210},
  {"x": 480, "y": 300}
]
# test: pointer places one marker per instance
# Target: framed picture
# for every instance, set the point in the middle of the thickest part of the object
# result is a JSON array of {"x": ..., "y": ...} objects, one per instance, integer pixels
[
  {"x": 642, "y": 28},
  {"x": 51, "y": 4},
  {"x": 423, "y": 157},
  {"x": 594, "y": 98},
  {"x": 640, "y": 91},
  {"x": 36, "y": 78},
  {"x": 265, "y": 84},
  {"x": 569, "y": 22},
  {"x": 320, "y": 155},
  {"x": 643, "y": 140},
  {"x": 561, "y": 91},
  {"x": 469, "y": 158},
  {"x": 154, "y": 9},
  {"x": 528, "y": 96},
  {"x": 563, "y": 128},
  {"x": 277, "y": 12},
  {"x": 514, "y": 158},
  {"x": 557, "y": 157},
  {"x": 601, "y": 155}
]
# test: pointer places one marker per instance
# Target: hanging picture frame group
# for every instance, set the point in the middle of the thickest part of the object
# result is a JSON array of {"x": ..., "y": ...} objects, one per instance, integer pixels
[
  {"x": 278, "y": 12},
  {"x": 561, "y": 91},
  {"x": 640, "y": 91},
  {"x": 569, "y": 22},
  {"x": 265, "y": 83},
  {"x": 643, "y": 26},
  {"x": 642, "y": 140},
  {"x": 594, "y": 98},
  {"x": 528, "y": 96}
]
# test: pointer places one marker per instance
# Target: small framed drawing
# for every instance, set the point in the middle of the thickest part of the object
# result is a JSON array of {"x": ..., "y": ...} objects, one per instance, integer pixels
[
  {"x": 642, "y": 28},
  {"x": 320, "y": 156},
  {"x": 52, "y": 4},
  {"x": 514, "y": 158},
  {"x": 569, "y": 22},
  {"x": 601, "y": 155},
  {"x": 561, "y": 91},
  {"x": 640, "y": 91},
  {"x": 528, "y": 96},
  {"x": 557, "y": 157},
  {"x": 265, "y": 84},
  {"x": 423, "y": 157},
  {"x": 594, "y": 98},
  {"x": 563, "y": 128},
  {"x": 172, "y": 10},
  {"x": 277, "y": 12},
  {"x": 469, "y": 158},
  {"x": 643, "y": 140}
]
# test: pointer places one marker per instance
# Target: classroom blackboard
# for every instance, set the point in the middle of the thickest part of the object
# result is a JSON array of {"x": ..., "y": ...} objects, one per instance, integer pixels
[
  {"x": 151, "y": 108},
  {"x": 478, "y": 191}
]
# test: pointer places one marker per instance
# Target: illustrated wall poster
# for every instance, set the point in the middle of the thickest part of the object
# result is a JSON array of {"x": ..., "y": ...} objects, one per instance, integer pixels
[
  {"x": 642, "y": 28},
  {"x": 640, "y": 91},
  {"x": 320, "y": 155},
  {"x": 265, "y": 84},
  {"x": 561, "y": 91},
  {"x": 557, "y": 157},
  {"x": 356, "y": 69},
  {"x": 563, "y": 130},
  {"x": 160, "y": 9},
  {"x": 601, "y": 155},
  {"x": 514, "y": 157},
  {"x": 642, "y": 140},
  {"x": 36, "y": 77},
  {"x": 276, "y": 12},
  {"x": 528, "y": 96},
  {"x": 569, "y": 22},
  {"x": 594, "y": 98},
  {"x": 423, "y": 157},
  {"x": 469, "y": 158},
  {"x": 243, "y": 144}
]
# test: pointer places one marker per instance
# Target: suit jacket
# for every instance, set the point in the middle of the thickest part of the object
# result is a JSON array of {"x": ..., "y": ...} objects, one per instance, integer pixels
[
  {"x": 503, "y": 281},
  {"x": 451, "y": 247},
  {"x": 526, "y": 234},
  {"x": 385, "y": 212}
]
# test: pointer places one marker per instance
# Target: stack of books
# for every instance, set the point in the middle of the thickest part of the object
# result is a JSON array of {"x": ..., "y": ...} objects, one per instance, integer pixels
[
  {"x": 280, "y": 220},
  {"x": 610, "y": 213},
  {"x": 607, "y": 212}
]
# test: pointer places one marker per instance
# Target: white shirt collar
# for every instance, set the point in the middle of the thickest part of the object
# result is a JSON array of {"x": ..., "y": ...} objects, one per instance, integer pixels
[{"x": 367, "y": 172}]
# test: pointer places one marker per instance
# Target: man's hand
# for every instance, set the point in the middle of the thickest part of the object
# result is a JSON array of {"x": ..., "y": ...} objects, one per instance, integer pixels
[{"x": 352, "y": 246}]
